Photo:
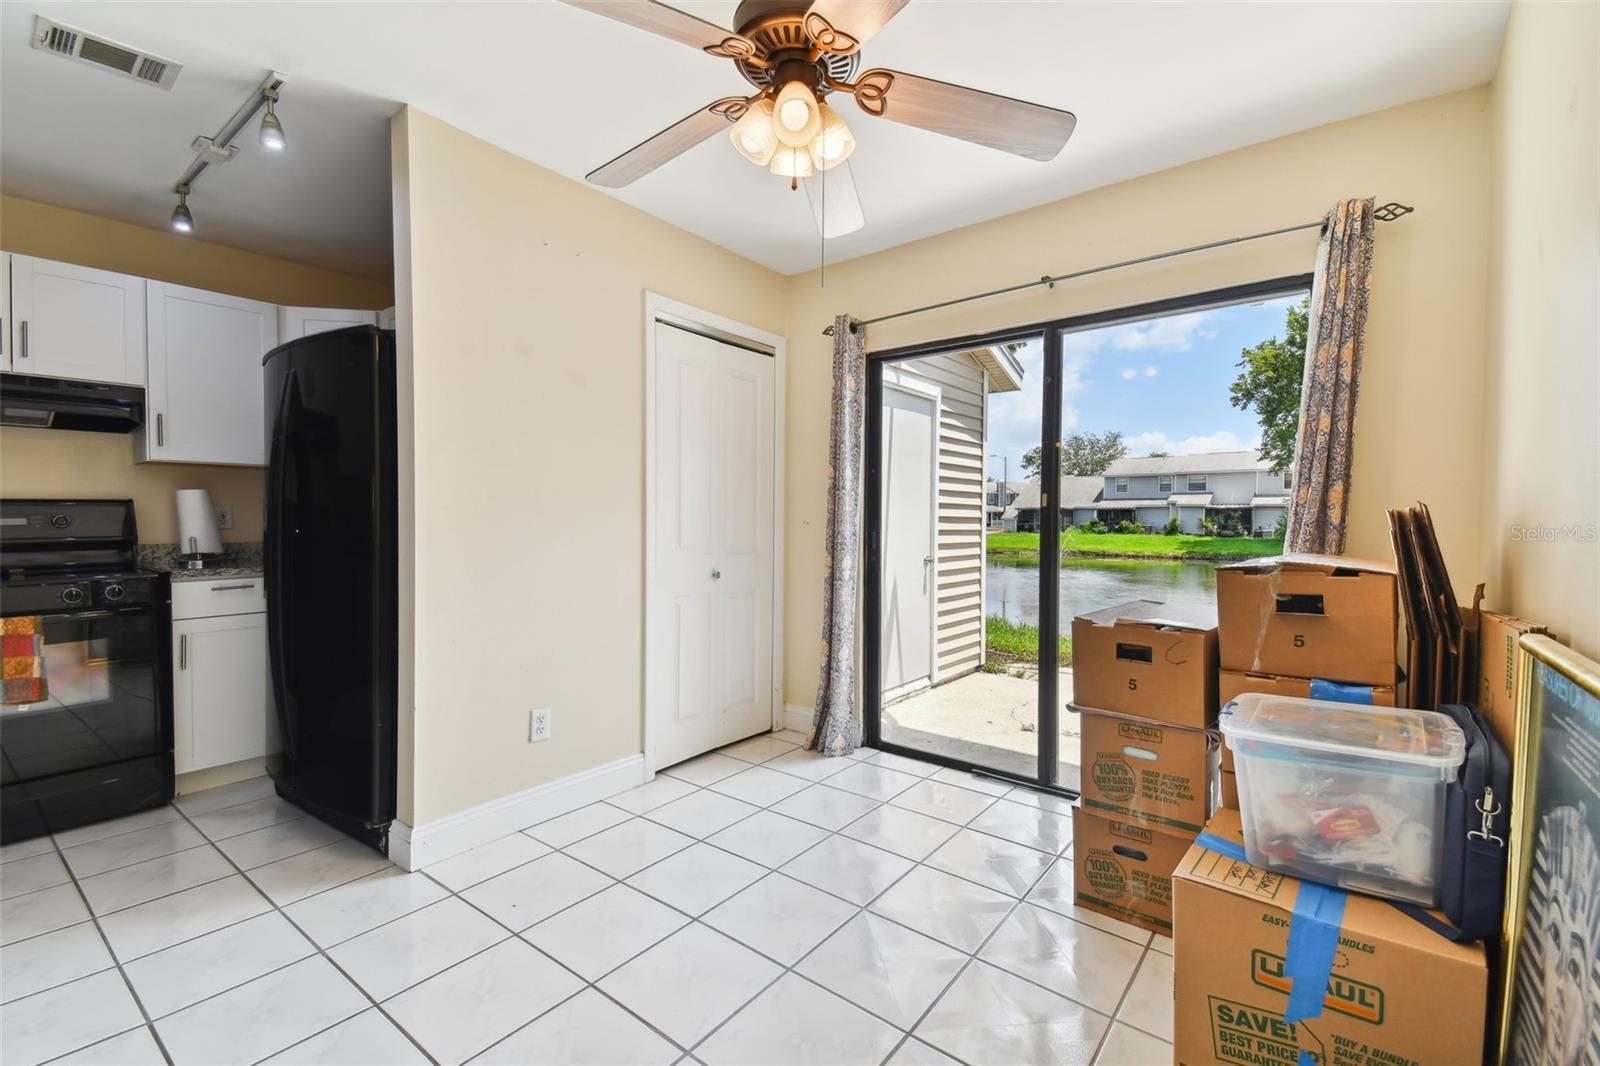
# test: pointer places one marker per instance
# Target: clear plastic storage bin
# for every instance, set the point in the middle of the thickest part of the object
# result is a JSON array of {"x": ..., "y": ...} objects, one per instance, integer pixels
[{"x": 1344, "y": 794}]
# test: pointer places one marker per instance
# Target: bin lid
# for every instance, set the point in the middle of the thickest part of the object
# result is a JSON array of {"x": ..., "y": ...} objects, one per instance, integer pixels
[{"x": 1394, "y": 734}]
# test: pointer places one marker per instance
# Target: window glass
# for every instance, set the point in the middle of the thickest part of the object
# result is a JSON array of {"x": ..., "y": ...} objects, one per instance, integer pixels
[
  {"x": 1166, "y": 483},
  {"x": 1197, "y": 483},
  {"x": 1122, "y": 484}
]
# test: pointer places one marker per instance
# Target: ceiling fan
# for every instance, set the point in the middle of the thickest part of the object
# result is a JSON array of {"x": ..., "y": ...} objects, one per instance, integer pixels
[{"x": 795, "y": 54}]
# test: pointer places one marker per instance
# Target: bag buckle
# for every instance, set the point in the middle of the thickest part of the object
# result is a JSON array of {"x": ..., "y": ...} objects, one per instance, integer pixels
[{"x": 1488, "y": 809}]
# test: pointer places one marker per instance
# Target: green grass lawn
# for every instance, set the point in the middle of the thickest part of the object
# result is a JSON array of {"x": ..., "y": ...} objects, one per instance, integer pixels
[
  {"x": 1013, "y": 642},
  {"x": 1138, "y": 545}
]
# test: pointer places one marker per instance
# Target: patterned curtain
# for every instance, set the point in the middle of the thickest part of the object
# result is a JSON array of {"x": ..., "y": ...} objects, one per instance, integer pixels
[
  {"x": 835, "y": 730},
  {"x": 1338, "y": 324}
]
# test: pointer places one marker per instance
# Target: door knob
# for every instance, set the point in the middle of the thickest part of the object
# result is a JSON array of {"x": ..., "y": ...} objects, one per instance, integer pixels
[{"x": 716, "y": 575}]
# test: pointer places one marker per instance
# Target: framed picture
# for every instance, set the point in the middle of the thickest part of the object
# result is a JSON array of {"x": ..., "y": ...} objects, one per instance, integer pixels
[{"x": 1550, "y": 1002}]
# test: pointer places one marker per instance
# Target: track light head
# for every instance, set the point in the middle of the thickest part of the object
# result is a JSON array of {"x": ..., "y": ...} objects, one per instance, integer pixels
[
  {"x": 271, "y": 129},
  {"x": 182, "y": 220}
]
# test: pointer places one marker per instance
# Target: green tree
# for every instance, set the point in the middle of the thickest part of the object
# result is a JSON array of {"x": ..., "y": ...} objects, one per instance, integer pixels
[
  {"x": 1269, "y": 383},
  {"x": 1082, "y": 454}
]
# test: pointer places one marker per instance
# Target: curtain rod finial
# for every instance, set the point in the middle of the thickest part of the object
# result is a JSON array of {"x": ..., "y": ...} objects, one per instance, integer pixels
[{"x": 1391, "y": 211}]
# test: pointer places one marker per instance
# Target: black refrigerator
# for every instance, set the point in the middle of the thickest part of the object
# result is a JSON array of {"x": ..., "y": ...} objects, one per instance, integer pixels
[{"x": 331, "y": 575}]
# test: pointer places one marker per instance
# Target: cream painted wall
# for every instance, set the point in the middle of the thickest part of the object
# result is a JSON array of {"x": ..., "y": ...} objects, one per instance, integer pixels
[
  {"x": 527, "y": 326},
  {"x": 1542, "y": 405},
  {"x": 1422, "y": 383},
  {"x": 36, "y": 462}
]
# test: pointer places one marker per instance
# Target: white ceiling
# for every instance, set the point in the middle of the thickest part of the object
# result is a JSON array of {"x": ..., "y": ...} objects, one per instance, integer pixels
[{"x": 1153, "y": 86}]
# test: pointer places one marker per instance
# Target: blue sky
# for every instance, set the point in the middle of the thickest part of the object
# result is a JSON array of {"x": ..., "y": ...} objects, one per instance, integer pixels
[{"x": 1162, "y": 382}]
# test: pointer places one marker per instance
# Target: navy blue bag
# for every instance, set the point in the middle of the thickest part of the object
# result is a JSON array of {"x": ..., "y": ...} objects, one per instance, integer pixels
[{"x": 1472, "y": 877}]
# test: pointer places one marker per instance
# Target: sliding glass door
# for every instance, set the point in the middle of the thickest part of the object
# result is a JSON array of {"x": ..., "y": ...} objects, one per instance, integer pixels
[{"x": 1017, "y": 480}]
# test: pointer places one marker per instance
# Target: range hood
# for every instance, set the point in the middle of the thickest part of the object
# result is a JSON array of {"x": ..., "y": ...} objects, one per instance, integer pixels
[{"x": 60, "y": 403}]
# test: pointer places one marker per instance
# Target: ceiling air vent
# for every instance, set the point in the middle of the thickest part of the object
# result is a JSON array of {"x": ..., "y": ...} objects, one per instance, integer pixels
[{"x": 74, "y": 44}]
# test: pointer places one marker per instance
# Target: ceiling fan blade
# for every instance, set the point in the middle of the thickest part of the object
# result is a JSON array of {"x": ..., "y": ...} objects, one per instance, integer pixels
[
  {"x": 670, "y": 143},
  {"x": 668, "y": 21},
  {"x": 835, "y": 206},
  {"x": 1015, "y": 126},
  {"x": 842, "y": 26}
]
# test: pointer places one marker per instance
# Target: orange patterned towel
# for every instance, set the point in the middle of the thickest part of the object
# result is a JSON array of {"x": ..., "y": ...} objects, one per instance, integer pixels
[{"x": 22, "y": 651}]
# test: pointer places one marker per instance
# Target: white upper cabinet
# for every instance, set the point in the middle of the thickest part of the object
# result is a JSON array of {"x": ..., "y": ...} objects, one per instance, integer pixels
[
  {"x": 297, "y": 322},
  {"x": 204, "y": 398},
  {"x": 76, "y": 322}
]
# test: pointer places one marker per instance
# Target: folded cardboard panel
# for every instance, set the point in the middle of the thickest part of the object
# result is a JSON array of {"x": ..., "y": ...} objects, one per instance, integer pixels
[
  {"x": 1498, "y": 672},
  {"x": 1397, "y": 993},
  {"x": 1123, "y": 868},
  {"x": 1309, "y": 616},
  {"x": 1230, "y": 790},
  {"x": 1148, "y": 771},
  {"x": 1232, "y": 683},
  {"x": 1147, "y": 659}
]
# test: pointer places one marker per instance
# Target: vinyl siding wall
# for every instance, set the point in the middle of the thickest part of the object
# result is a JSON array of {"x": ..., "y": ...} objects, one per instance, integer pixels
[{"x": 958, "y": 633}]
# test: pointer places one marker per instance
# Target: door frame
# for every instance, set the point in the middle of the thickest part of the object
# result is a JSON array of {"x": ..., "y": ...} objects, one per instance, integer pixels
[
  {"x": 935, "y": 395},
  {"x": 1052, "y": 332},
  {"x": 665, "y": 310}
]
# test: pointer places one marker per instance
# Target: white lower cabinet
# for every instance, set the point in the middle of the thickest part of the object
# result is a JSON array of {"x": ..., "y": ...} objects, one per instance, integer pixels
[{"x": 221, "y": 706}]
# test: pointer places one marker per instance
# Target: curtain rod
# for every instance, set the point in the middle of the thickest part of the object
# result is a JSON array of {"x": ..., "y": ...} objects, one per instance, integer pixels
[{"x": 1387, "y": 213}]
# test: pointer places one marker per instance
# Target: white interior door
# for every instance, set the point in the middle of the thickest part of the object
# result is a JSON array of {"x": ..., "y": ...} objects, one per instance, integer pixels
[
  {"x": 712, "y": 556},
  {"x": 910, "y": 562}
]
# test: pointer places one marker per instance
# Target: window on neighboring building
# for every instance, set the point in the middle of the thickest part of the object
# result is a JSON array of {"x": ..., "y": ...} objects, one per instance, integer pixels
[
  {"x": 1288, "y": 480},
  {"x": 1165, "y": 483},
  {"x": 1122, "y": 484},
  {"x": 1197, "y": 483}
]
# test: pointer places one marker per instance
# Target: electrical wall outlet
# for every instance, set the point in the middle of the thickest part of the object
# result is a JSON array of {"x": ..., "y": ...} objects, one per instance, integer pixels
[
  {"x": 225, "y": 517},
  {"x": 539, "y": 725}
]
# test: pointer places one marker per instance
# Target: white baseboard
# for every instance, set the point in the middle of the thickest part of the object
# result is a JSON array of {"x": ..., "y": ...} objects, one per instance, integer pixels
[
  {"x": 798, "y": 718},
  {"x": 413, "y": 847}
]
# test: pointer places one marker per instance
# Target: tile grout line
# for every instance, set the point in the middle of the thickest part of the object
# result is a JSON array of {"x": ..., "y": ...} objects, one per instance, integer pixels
[
  {"x": 316, "y": 949},
  {"x": 133, "y": 993}
]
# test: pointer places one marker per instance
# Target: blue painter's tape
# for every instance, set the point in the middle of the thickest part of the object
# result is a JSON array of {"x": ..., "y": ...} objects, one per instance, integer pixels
[
  {"x": 1338, "y": 692},
  {"x": 1307, "y": 1059},
  {"x": 1313, "y": 941},
  {"x": 1212, "y": 842}
]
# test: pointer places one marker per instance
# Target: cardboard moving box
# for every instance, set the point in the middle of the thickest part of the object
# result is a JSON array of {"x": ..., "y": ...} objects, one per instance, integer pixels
[
  {"x": 1309, "y": 616},
  {"x": 1231, "y": 683},
  {"x": 1147, "y": 659},
  {"x": 1230, "y": 790},
  {"x": 1124, "y": 868},
  {"x": 1498, "y": 675},
  {"x": 1148, "y": 771},
  {"x": 1398, "y": 993}
]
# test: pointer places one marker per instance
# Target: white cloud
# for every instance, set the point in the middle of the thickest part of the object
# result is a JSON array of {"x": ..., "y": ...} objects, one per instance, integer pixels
[
  {"x": 1175, "y": 333},
  {"x": 1149, "y": 371},
  {"x": 1221, "y": 441},
  {"x": 1129, "y": 374}
]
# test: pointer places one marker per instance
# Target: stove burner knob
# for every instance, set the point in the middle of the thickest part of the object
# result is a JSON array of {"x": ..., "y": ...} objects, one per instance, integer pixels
[
  {"x": 114, "y": 593},
  {"x": 72, "y": 595}
]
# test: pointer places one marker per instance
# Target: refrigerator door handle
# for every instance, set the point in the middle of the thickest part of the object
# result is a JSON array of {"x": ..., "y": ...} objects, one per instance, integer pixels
[{"x": 272, "y": 569}]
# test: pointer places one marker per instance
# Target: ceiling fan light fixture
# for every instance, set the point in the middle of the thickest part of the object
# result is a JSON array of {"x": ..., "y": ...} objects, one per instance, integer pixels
[
  {"x": 753, "y": 135},
  {"x": 798, "y": 116},
  {"x": 790, "y": 162},
  {"x": 834, "y": 142}
]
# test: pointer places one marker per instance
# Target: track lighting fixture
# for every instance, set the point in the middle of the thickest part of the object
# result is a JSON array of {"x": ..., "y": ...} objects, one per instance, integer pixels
[
  {"x": 271, "y": 129},
  {"x": 182, "y": 220}
]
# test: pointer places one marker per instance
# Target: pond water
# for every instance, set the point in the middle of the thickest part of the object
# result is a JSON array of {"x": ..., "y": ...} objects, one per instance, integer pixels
[{"x": 1090, "y": 584}]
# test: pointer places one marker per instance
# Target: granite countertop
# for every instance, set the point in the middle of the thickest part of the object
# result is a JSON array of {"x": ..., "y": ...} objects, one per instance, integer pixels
[{"x": 236, "y": 560}]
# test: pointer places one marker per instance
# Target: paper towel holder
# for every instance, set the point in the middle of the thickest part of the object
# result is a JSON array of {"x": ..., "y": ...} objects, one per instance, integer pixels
[{"x": 198, "y": 538}]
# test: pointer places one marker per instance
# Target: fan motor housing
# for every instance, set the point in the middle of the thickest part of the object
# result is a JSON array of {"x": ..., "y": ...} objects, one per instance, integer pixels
[{"x": 777, "y": 27}]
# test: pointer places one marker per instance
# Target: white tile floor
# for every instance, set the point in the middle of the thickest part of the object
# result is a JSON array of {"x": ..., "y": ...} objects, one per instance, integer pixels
[{"x": 866, "y": 910}]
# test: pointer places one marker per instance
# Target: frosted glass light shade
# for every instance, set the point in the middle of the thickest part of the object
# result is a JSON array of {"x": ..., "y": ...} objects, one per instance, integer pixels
[
  {"x": 797, "y": 116},
  {"x": 791, "y": 163},
  {"x": 834, "y": 142},
  {"x": 753, "y": 136}
]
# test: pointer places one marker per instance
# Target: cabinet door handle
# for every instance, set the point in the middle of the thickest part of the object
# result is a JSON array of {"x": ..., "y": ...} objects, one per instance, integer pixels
[
  {"x": 232, "y": 588},
  {"x": 22, "y": 340},
  {"x": 161, "y": 436},
  {"x": 183, "y": 651}
]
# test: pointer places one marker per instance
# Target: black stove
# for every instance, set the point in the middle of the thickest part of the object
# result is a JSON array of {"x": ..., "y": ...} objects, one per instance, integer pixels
[{"x": 96, "y": 743}]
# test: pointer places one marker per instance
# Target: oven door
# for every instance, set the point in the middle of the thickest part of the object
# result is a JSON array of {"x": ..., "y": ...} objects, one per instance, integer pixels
[{"x": 99, "y": 744}]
